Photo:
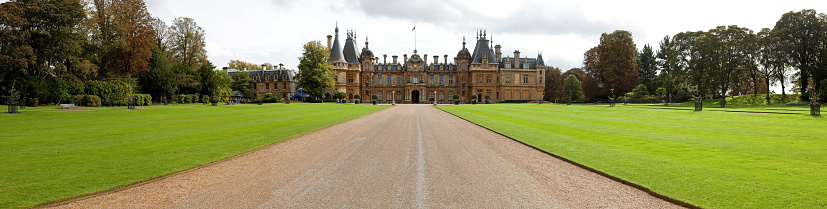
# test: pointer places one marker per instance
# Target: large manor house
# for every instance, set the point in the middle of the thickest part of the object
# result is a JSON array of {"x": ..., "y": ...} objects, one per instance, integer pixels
[
  {"x": 482, "y": 71},
  {"x": 416, "y": 79}
]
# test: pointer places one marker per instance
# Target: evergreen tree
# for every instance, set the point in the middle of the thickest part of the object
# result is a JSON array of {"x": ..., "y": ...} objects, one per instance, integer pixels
[
  {"x": 160, "y": 81},
  {"x": 571, "y": 88}
]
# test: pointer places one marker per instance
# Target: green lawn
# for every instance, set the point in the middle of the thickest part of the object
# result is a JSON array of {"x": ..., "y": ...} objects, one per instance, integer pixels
[
  {"x": 50, "y": 156},
  {"x": 711, "y": 159}
]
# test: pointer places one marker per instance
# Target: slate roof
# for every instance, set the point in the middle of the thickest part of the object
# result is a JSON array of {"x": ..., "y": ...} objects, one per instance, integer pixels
[
  {"x": 482, "y": 50},
  {"x": 350, "y": 53},
  {"x": 335, "y": 50}
]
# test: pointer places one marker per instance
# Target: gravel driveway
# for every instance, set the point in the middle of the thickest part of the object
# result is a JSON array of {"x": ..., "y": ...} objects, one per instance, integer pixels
[{"x": 407, "y": 156}]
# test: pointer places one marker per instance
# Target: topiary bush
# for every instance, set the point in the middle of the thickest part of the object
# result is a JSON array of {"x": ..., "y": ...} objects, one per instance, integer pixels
[{"x": 205, "y": 99}]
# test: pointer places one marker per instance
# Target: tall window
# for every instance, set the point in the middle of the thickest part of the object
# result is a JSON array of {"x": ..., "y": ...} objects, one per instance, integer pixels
[
  {"x": 451, "y": 95},
  {"x": 390, "y": 79},
  {"x": 431, "y": 80},
  {"x": 507, "y": 65},
  {"x": 450, "y": 79},
  {"x": 349, "y": 78},
  {"x": 431, "y": 95},
  {"x": 389, "y": 96},
  {"x": 440, "y": 79},
  {"x": 398, "y": 79},
  {"x": 525, "y": 78},
  {"x": 379, "y": 79},
  {"x": 379, "y": 94},
  {"x": 507, "y": 78},
  {"x": 398, "y": 96},
  {"x": 284, "y": 86},
  {"x": 487, "y": 78},
  {"x": 479, "y": 78},
  {"x": 464, "y": 66},
  {"x": 267, "y": 86},
  {"x": 415, "y": 79},
  {"x": 441, "y": 95}
]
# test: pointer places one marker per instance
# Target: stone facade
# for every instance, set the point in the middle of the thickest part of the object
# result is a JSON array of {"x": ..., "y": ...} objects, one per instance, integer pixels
[{"x": 414, "y": 79}]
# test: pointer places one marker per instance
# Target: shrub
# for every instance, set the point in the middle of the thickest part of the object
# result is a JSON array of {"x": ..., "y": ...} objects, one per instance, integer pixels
[
  {"x": 374, "y": 97},
  {"x": 640, "y": 91},
  {"x": 115, "y": 91},
  {"x": 91, "y": 100},
  {"x": 357, "y": 97},
  {"x": 456, "y": 96},
  {"x": 180, "y": 99},
  {"x": 32, "y": 102},
  {"x": 474, "y": 97},
  {"x": 205, "y": 99}
]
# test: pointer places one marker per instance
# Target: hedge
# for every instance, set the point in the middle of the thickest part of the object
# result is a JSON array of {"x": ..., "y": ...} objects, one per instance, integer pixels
[{"x": 117, "y": 92}]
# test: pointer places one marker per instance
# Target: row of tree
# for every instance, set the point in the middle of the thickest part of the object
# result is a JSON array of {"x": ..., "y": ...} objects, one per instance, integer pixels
[
  {"x": 46, "y": 42},
  {"x": 726, "y": 60}
]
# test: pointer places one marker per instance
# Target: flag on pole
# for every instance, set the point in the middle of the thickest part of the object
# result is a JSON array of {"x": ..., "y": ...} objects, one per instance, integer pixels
[{"x": 414, "y": 28}]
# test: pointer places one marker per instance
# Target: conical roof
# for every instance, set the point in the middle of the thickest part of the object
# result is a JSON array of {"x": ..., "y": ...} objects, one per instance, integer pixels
[
  {"x": 350, "y": 53},
  {"x": 335, "y": 50}
]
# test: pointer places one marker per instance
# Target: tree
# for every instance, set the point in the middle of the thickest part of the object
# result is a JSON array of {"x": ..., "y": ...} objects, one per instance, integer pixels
[
  {"x": 315, "y": 75},
  {"x": 243, "y": 84},
  {"x": 554, "y": 85},
  {"x": 612, "y": 64},
  {"x": 125, "y": 36},
  {"x": 243, "y": 66},
  {"x": 160, "y": 81},
  {"x": 640, "y": 91},
  {"x": 647, "y": 68},
  {"x": 186, "y": 43},
  {"x": 803, "y": 33},
  {"x": 571, "y": 89},
  {"x": 16, "y": 54}
]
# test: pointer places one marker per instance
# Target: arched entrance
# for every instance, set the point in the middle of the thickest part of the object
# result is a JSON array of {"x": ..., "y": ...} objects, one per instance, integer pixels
[{"x": 414, "y": 96}]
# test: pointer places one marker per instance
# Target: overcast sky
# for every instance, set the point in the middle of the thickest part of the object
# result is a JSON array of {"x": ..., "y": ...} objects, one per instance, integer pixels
[{"x": 273, "y": 31}]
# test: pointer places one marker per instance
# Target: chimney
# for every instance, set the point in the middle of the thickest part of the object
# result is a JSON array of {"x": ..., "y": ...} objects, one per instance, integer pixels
[
  {"x": 425, "y": 58},
  {"x": 225, "y": 69},
  {"x": 436, "y": 59},
  {"x": 405, "y": 57},
  {"x": 394, "y": 58},
  {"x": 281, "y": 66},
  {"x": 386, "y": 59},
  {"x": 498, "y": 55},
  {"x": 446, "y": 59},
  {"x": 516, "y": 59},
  {"x": 329, "y": 42},
  {"x": 263, "y": 67}
]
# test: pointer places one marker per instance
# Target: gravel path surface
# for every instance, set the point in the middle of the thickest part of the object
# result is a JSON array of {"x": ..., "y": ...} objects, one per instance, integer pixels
[{"x": 408, "y": 156}]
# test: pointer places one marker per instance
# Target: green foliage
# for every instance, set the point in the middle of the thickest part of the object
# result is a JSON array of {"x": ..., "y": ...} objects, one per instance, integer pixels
[
  {"x": 160, "y": 81},
  {"x": 339, "y": 95},
  {"x": 640, "y": 91},
  {"x": 86, "y": 100},
  {"x": 647, "y": 67},
  {"x": 661, "y": 92},
  {"x": 205, "y": 99},
  {"x": 728, "y": 159},
  {"x": 474, "y": 97},
  {"x": 116, "y": 91},
  {"x": 456, "y": 96},
  {"x": 357, "y": 97},
  {"x": 316, "y": 75},
  {"x": 487, "y": 97},
  {"x": 374, "y": 97},
  {"x": 56, "y": 156},
  {"x": 243, "y": 84},
  {"x": 761, "y": 99},
  {"x": 572, "y": 89},
  {"x": 181, "y": 98}
]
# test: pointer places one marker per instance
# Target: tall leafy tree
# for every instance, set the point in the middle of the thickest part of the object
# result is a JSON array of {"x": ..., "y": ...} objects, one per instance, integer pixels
[
  {"x": 315, "y": 75},
  {"x": 554, "y": 84},
  {"x": 647, "y": 67},
  {"x": 804, "y": 32},
  {"x": 613, "y": 63},
  {"x": 670, "y": 77},
  {"x": 571, "y": 89},
  {"x": 185, "y": 42},
  {"x": 16, "y": 53}
]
